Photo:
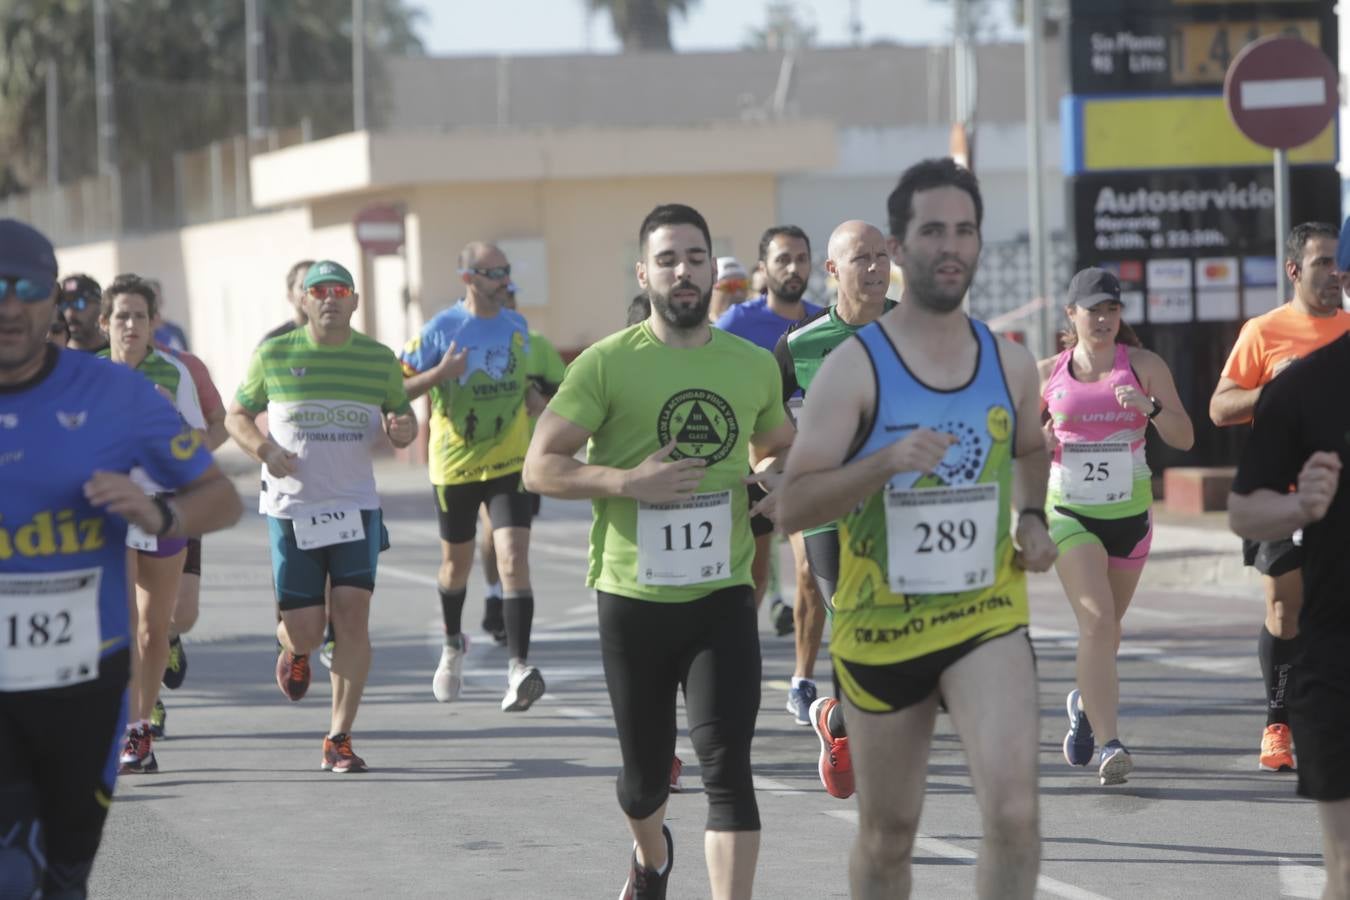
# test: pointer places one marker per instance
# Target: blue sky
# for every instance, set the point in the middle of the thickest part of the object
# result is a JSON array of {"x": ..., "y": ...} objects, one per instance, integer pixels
[{"x": 490, "y": 27}]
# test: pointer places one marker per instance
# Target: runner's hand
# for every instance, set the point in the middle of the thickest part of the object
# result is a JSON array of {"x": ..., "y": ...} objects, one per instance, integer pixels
[
  {"x": 1317, "y": 484},
  {"x": 280, "y": 463},
  {"x": 920, "y": 451},
  {"x": 1130, "y": 397},
  {"x": 767, "y": 506},
  {"x": 1036, "y": 550},
  {"x": 119, "y": 495},
  {"x": 453, "y": 364},
  {"x": 1048, "y": 432},
  {"x": 400, "y": 428},
  {"x": 658, "y": 481}
]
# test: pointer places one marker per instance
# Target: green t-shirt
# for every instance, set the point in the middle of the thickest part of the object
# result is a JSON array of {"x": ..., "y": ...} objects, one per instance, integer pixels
[{"x": 634, "y": 395}]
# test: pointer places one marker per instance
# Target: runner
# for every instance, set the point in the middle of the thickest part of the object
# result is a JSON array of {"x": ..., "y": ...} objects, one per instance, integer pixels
[
  {"x": 1299, "y": 437},
  {"x": 189, "y": 584},
  {"x": 79, "y": 304},
  {"x": 544, "y": 368},
  {"x": 130, "y": 306},
  {"x": 785, "y": 259},
  {"x": 472, "y": 359},
  {"x": 922, "y": 465},
  {"x": 328, "y": 391},
  {"x": 860, "y": 263},
  {"x": 295, "y": 296},
  {"x": 671, "y": 409},
  {"x": 1265, "y": 346},
  {"x": 1099, "y": 396},
  {"x": 63, "y": 678},
  {"x": 732, "y": 287}
]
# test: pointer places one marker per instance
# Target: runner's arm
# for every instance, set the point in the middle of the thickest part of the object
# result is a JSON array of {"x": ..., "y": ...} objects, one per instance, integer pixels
[
  {"x": 552, "y": 469},
  {"x": 1231, "y": 404},
  {"x": 1031, "y": 459},
  {"x": 1173, "y": 423},
  {"x": 241, "y": 425}
]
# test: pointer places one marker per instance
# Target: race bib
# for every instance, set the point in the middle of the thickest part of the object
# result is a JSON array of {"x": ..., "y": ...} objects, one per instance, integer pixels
[
  {"x": 139, "y": 540},
  {"x": 685, "y": 542},
  {"x": 49, "y": 629},
  {"x": 941, "y": 540},
  {"x": 326, "y": 529},
  {"x": 1093, "y": 474}
]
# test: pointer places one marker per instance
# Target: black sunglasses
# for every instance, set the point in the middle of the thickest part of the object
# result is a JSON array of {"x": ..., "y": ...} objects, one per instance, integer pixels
[
  {"x": 496, "y": 273},
  {"x": 80, "y": 302}
]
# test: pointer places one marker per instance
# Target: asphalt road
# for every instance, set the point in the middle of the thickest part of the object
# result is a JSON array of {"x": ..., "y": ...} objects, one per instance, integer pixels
[{"x": 464, "y": 801}]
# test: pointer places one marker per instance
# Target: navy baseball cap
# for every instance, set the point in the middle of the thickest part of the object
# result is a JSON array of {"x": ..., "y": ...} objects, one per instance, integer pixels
[
  {"x": 1343, "y": 249},
  {"x": 26, "y": 253},
  {"x": 1092, "y": 286}
]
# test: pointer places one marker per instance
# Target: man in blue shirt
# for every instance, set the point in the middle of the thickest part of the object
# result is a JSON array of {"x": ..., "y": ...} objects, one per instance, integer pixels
[
  {"x": 66, "y": 447},
  {"x": 785, "y": 260}
]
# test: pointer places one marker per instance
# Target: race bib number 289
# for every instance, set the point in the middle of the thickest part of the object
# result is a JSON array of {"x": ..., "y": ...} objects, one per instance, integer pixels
[{"x": 941, "y": 540}]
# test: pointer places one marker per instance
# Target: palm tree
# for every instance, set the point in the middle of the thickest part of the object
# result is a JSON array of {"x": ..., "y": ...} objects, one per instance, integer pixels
[{"x": 642, "y": 24}]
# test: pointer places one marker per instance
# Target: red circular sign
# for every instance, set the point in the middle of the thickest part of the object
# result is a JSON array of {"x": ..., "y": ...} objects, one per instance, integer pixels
[
  {"x": 379, "y": 229},
  {"x": 1281, "y": 92}
]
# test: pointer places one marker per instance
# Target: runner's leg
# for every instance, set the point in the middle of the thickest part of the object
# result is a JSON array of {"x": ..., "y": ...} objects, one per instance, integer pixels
[
  {"x": 1083, "y": 573},
  {"x": 351, "y": 657}
]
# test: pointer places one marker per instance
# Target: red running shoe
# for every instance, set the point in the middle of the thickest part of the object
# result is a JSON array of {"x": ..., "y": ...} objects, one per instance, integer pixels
[{"x": 836, "y": 767}]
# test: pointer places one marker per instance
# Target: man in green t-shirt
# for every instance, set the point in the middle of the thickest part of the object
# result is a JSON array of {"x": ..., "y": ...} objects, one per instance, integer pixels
[
  {"x": 672, "y": 409},
  {"x": 861, "y": 265}
]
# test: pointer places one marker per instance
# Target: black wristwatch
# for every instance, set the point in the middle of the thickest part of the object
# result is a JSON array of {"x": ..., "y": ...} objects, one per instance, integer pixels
[
  {"x": 167, "y": 513},
  {"x": 1157, "y": 408},
  {"x": 1036, "y": 512}
]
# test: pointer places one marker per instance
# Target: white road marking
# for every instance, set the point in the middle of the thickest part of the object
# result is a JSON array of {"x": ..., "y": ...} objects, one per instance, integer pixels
[
  {"x": 406, "y": 575},
  {"x": 1301, "y": 880}
]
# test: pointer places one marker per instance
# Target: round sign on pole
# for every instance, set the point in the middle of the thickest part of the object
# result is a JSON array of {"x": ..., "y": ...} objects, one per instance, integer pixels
[
  {"x": 379, "y": 229},
  {"x": 1281, "y": 92}
]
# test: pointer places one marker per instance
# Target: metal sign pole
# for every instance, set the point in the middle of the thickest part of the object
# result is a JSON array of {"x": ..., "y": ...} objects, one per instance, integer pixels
[
  {"x": 1282, "y": 225},
  {"x": 1040, "y": 290}
]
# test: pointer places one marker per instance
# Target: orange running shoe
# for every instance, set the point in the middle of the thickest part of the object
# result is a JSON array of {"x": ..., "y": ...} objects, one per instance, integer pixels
[
  {"x": 1277, "y": 750},
  {"x": 293, "y": 674},
  {"x": 836, "y": 766},
  {"x": 338, "y": 756}
]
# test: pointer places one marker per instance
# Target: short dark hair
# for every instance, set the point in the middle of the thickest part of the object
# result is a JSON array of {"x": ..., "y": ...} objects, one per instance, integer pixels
[
  {"x": 639, "y": 308},
  {"x": 672, "y": 214},
  {"x": 769, "y": 234},
  {"x": 129, "y": 283},
  {"x": 1299, "y": 236},
  {"x": 297, "y": 272},
  {"x": 924, "y": 176}
]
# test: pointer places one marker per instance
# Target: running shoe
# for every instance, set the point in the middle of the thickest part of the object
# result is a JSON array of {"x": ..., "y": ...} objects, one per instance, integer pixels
[
  {"x": 138, "y": 755},
  {"x": 449, "y": 678},
  {"x": 176, "y": 670},
  {"x": 158, "y": 716},
  {"x": 835, "y": 766},
  {"x": 676, "y": 767},
  {"x": 1078, "y": 742},
  {"x": 338, "y": 756},
  {"x": 780, "y": 614},
  {"x": 1116, "y": 763},
  {"x": 493, "y": 621},
  {"x": 799, "y": 701},
  {"x": 648, "y": 884},
  {"x": 326, "y": 648},
  {"x": 524, "y": 686},
  {"x": 1277, "y": 750},
  {"x": 293, "y": 674}
]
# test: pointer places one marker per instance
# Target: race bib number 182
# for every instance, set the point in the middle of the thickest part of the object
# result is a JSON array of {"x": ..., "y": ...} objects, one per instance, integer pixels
[{"x": 49, "y": 629}]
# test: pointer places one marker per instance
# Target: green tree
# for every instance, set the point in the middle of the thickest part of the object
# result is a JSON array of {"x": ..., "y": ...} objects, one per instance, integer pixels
[
  {"x": 178, "y": 73},
  {"x": 784, "y": 29},
  {"x": 642, "y": 24}
]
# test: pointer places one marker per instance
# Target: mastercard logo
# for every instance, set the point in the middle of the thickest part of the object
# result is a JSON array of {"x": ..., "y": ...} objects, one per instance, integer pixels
[{"x": 1217, "y": 270}]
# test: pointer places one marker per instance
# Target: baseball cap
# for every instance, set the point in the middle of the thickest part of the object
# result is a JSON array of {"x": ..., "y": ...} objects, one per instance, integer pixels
[
  {"x": 80, "y": 285},
  {"x": 325, "y": 271},
  {"x": 728, "y": 267},
  {"x": 25, "y": 252},
  {"x": 1092, "y": 286}
]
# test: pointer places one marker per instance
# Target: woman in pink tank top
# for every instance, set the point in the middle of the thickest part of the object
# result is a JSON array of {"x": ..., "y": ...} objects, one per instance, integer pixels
[{"x": 1099, "y": 396}]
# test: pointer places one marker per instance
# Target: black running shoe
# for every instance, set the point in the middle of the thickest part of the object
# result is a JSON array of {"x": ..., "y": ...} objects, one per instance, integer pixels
[
  {"x": 648, "y": 884},
  {"x": 176, "y": 670}
]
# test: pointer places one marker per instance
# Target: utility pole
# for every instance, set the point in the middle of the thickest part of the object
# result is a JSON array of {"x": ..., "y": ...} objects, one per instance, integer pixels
[
  {"x": 53, "y": 126},
  {"x": 1035, "y": 192},
  {"x": 255, "y": 72},
  {"x": 105, "y": 114},
  {"x": 358, "y": 65}
]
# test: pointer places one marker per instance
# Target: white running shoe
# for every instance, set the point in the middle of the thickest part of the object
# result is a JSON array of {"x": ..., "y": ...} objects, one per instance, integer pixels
[
  {"x": 449, "y": 677},
  {"x": 1116, "y": 764},
  {"x": 524, "y": 686}
]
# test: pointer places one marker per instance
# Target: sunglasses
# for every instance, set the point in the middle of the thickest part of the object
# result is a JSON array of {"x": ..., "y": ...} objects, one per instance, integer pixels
[
  {"x": 79, "y": 303},
  {"x": 29, "y": 290},
  {"x": 496, "y": 273},
  {"x": 324, "y": 291}
]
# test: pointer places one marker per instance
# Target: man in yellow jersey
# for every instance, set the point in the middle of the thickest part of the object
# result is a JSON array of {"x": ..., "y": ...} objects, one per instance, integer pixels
[
  {"x": 1266, "y": 345},
  {"x": 923, "y": 465}
]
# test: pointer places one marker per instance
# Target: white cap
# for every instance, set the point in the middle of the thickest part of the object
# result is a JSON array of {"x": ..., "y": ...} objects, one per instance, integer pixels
[{"x": 730, "y": 267}]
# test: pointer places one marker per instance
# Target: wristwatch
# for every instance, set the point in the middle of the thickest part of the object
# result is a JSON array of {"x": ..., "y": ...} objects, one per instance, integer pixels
[
  {"x": 1036, "y": 513},
  {"x": 1157, "y": 408}
]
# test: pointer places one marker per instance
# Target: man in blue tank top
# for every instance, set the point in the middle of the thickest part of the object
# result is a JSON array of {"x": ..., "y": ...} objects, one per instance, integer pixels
[
  {"x": 72, "y": 426},
  {"x": 923, "y": 465}
]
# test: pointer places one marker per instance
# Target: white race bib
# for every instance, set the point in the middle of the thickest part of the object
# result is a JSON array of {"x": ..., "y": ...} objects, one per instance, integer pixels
[
  {"x": 1094, "y": 474},
  {"x": 139, "y": 540},
  {"x": 326, "y": 529},
  {"x": 941, "y": 540},
  {"x": 685, "y": 542},
  {"x": 49, "y": 629}
]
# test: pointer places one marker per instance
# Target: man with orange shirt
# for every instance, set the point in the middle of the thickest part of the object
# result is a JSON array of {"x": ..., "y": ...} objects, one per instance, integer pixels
[{"x": 1265, "y": 346}]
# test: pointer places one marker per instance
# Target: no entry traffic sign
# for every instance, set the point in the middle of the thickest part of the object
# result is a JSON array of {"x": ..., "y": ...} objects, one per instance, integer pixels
[
  {"x": 379, "y": 229},
  {"x": 1281, "y": 92}
]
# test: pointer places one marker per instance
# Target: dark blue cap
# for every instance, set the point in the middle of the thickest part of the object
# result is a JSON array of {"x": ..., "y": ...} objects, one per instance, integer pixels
[
  {"x": 1092, "y": 286},
  {"x": 25, "y": 252},
  {"x": 1343, "y": 249}
]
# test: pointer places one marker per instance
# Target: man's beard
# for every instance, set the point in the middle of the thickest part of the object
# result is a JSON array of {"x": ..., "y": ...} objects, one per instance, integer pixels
[
  {"x": 682, "y": 318},
  {"x": 781, "y": 290},
  {"x": 927, "y": 294}
]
